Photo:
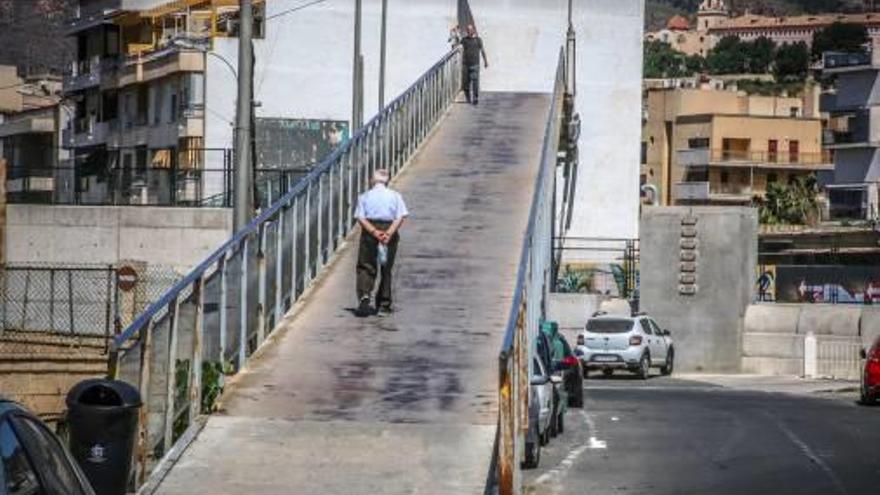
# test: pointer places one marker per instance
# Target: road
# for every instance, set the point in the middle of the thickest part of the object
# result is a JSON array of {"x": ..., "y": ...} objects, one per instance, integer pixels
[{"x": 675, "y": 436}]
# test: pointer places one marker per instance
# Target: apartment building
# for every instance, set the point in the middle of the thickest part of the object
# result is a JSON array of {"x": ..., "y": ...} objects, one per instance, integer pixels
[
  {"x": 853, "y": 134},
  {"x": 30, "y": 119},
  {"x": 138, "y": 88},
  {"x": 711, "y": 146}
]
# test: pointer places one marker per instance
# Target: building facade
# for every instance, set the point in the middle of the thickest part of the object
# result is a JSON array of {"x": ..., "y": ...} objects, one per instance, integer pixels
[
  {"x": 709, "y": 146},
  {"x": 854, "y": 135}
]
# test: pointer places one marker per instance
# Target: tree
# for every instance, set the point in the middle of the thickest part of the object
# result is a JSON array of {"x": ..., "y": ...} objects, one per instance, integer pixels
[
  {"x": 792, "y": 204},
  {"x": 760, "y": 55},
  {"x": 840, "y": 37},
  {"x": 729, "y": 56},
  {"x": 792, "y": 62},
  {"x": 662, "y": 61}
]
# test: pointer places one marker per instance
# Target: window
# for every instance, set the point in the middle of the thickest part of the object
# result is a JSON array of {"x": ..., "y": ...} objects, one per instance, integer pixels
[
  {"x": 725, "y": 177},
  {"x": 646, "y": 327},
  {"x": 644, "y": 152},
  {"x": 772, "y": 150},
  {"x": 794, "y": 149},
  {"x": 656, "y": 327},
  {"x": 794, "y": 112},
  {"x": 54, "y": 466},
  {"x": 18, "y": 473},
  {"x": 608, "y": 325},
  {"x": 698, "y": 143}
]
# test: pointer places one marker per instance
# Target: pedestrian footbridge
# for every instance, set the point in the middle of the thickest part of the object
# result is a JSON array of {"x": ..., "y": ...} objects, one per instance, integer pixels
[{"x": 316, "y": 401}]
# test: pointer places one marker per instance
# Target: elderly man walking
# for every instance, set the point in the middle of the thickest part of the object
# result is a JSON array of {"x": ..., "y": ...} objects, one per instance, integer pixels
[{"x": 380, "y": 213}]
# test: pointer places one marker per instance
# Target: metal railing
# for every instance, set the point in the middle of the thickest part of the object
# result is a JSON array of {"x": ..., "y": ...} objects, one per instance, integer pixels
[
  {"x": 211, "y": 322},
  {"x": 768, "y": 159},
  {"x": 533, "y": 282}
]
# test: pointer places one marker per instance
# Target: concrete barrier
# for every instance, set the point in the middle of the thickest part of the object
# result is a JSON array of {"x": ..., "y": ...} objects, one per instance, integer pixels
[
  {"x": 772, "y": 318},
  {"x": 826, "y": 319},
  {"x": 869, "y": 328}
]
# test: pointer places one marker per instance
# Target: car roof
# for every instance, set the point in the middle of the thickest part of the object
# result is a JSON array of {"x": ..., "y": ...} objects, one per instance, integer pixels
[{"x": 617, "y": 317}]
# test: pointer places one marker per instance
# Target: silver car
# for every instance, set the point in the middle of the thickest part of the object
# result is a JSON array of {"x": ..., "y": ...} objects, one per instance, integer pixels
[
  {"x": 541, "y": 409},
  {"x": 635, "y": 343}
]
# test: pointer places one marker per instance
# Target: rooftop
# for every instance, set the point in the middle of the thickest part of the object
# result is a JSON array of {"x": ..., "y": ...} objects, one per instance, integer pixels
[{"x": 753, "y": 21}]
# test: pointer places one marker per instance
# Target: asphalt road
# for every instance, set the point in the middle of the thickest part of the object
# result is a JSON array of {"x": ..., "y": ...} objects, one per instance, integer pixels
[{"x": 671, "y": 436}]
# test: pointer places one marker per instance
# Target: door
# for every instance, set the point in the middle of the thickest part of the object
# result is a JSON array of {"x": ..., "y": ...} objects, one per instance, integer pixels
[
  {"x": 655, "y": 342},
  {"x": 794, "y": 151},
  {"x": 772, "y": 150},
  {"x": 662, "y": 341}
]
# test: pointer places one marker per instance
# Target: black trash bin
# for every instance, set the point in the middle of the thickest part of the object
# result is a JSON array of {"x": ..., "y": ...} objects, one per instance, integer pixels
[{"x": 102, "y": 418}]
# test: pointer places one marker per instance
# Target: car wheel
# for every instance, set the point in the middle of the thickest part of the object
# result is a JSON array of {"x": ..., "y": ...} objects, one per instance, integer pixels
[
  {"x": 644, "y": 370},
  {"x": 867, "y": 399},
  {"x": 608, "y": 371},
  {"x": 670, "y": 363},
  {"x": 545, "y": 437},
  {"x": 533, "y": 455},
  {"x": 576, "y": 399}
]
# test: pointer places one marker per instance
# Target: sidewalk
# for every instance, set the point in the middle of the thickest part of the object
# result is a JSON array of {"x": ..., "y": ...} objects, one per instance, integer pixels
[{"x": 775, "y": 384}]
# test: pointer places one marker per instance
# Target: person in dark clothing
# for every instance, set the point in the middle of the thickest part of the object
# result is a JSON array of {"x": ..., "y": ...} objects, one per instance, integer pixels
[
  {"x": 380, "y": 213},
  {"x": 473, "y": 49}
]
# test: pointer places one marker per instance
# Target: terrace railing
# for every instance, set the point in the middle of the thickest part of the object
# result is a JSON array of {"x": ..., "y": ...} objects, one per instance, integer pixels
[
  {"x": 210, "y": 323},
  {"x": 533, "y": 283}
]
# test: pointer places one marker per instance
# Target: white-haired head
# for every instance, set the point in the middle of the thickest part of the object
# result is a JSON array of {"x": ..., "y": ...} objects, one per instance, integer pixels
[{"x": 380, "y": 176}]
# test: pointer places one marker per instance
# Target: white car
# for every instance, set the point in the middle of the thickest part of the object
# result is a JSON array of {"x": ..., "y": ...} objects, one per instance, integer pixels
[{"x": 636, "y": 343}]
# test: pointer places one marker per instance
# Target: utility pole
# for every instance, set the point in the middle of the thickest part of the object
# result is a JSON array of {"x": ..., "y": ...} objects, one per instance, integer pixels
[
  {"x": 382, "y": 55},
  {"x": 357, "y": 73},
  {"x": 243, "y": 206}
]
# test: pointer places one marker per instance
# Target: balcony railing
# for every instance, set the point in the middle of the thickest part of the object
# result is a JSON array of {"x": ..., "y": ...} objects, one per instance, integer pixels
[
  {"x": 779, "y": 159},
  {"x": 85, "y": 132},
  {"x": 84, "y": 73},
  {"x": 837, "y": 60},
  {"x": 713, "y": 191}
]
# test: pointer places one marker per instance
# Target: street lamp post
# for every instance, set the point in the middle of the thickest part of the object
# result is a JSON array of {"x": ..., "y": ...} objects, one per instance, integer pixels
[
  {"x": 382, "y": 55},
  {"x": 243, "y": 205}
]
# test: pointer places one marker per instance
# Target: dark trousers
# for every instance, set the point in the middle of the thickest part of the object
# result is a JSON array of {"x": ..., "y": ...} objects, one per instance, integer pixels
[
  {"x": 472, "y": 83},
  {"x": 368, "y": 269}
]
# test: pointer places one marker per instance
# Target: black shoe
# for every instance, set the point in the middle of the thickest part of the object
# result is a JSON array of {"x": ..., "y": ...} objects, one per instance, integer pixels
[
  {"x": 385, "y": 309},
  {"x": 364, "y": 309},
  {"x": 476, "y": 102}
]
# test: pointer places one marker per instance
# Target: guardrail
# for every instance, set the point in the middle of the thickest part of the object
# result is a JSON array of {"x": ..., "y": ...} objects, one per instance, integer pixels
[
  {"x": 211, "y": 322},
  {"x": 532, "y": 285}
]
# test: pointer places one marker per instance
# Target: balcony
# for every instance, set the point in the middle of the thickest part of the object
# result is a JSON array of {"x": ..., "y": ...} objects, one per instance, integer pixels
[
  {"x": 143, "y": 66},
  {"x": 86, "y": 73},
  {"x": 85, "y": 133},
  {"x": 707, "y": 192},
  {"x": 786, "y": 160}
]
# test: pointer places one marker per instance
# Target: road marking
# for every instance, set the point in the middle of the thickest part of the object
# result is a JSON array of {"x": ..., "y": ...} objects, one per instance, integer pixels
[
  {"x": 813, "y": 457},
  {"x": 559, "y": 471}
]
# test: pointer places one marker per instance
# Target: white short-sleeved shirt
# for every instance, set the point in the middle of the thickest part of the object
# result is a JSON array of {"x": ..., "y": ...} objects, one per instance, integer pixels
[{"x": 381, "y": 203}]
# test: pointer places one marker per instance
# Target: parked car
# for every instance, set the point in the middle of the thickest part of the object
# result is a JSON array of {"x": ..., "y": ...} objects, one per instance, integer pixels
[
  {"x": 637, "y": 343},
  {"x": 560, "y": 393},
  {"x": 34, "y": 460},
  {"x": 540, "y": 412},
  {"x": 871, "y": 375},
  {"x": 572, "y": 372}
]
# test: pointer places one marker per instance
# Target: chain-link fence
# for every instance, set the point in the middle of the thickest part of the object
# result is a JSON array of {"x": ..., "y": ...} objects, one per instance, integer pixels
[{"x": 52, "y": 309}]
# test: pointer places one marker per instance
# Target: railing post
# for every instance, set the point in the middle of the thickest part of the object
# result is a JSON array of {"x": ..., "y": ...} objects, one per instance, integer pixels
[
  {"x": 294, "y": 232},
  {"x": 307, "y": 225},
  {"x": 146, "y": 342},
  {"x": 224, "y": 306},
  {"x": 811, "y": 356},
  {"x": 340, "y": 209},
  {"x": 171, "y": 375},
  {"x": 319, "y": 262},
  {"x": 279, "y": 265},
  {"x": 262, "y": 303},
  {"x": 243, "y": 304},
  {"x": 195, "y": 382}
]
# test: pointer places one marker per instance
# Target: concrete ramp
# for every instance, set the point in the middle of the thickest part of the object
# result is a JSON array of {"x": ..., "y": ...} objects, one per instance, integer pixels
[{"x": 405, "y": 403}]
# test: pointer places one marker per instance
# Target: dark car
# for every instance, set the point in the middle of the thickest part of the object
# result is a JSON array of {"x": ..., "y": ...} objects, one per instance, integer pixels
[
  {"x": 34, "y": 460},
  {"x": 871, "y": 374},
  {"x": 572, "y": 375},
  {"x": 560, "y": 392}
]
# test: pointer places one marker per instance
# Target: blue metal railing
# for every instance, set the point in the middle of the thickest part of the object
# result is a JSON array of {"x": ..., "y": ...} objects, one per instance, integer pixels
[
  {"x": 211, "y": 322},
  {"x": 533, "y": 283}
]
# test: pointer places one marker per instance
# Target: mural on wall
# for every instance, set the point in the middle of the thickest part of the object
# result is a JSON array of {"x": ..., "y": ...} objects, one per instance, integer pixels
[
  {"x": 828, "y": 284},
  {"x": 297, "y": 143}
]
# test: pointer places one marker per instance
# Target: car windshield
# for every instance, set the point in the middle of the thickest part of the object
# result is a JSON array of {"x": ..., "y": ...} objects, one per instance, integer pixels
[{"x": 609, "y": 326}]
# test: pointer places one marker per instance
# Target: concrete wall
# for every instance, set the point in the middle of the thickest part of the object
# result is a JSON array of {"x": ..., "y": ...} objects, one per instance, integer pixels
[
  {"x": 706, "y": 325},
  {"x": 773, "y": 336},
  {"x": 175, "y": 237},
  {"x": 304, "y": 68}
]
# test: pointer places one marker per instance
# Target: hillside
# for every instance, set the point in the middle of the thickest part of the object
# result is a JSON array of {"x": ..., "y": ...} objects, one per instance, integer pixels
[{"x": 658, "y": 11}]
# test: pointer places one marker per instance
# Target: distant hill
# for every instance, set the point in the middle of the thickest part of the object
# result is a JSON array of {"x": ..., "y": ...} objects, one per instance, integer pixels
[{"x": 658, "y": 11}]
